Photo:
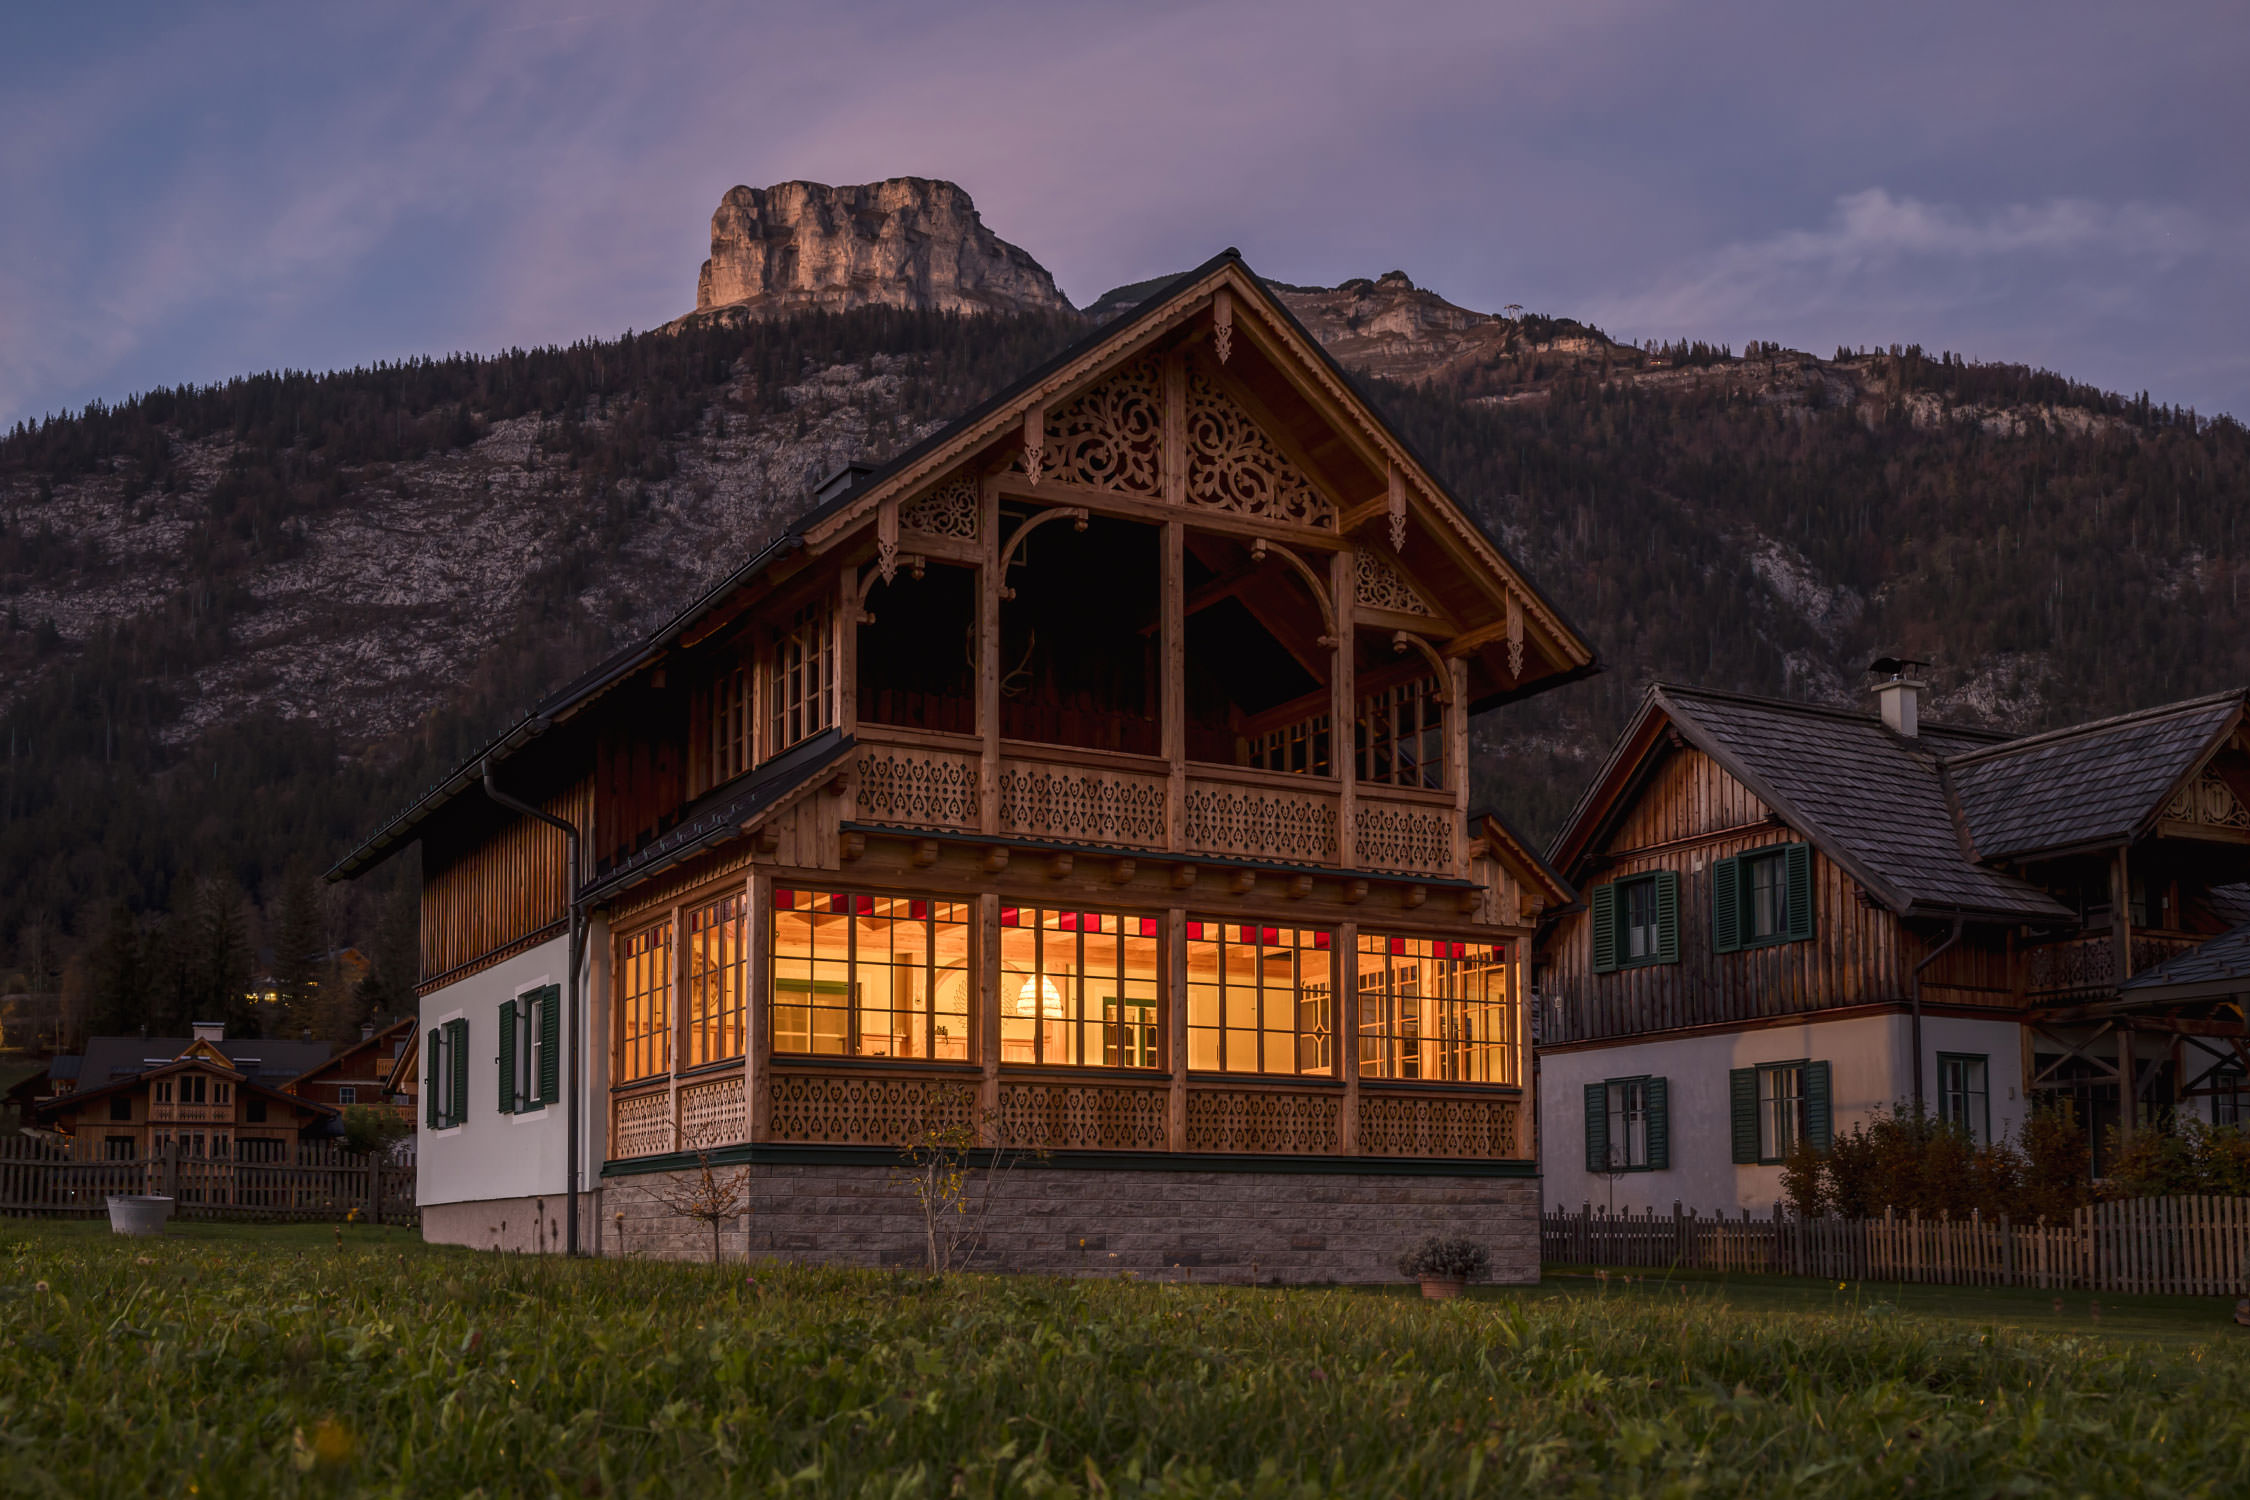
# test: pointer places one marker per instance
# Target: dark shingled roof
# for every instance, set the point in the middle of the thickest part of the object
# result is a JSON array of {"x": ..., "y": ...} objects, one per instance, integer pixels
[
  {"x": 1871, "y": 800},
  {"x": 262, "y": 1060},
  {"x": 2218, "y": 962},
  {"x": 2098, "y": 783}
]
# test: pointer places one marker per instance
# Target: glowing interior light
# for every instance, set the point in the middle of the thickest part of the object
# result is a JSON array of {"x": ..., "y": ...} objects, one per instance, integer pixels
[{"x": 1039, "y": 997}]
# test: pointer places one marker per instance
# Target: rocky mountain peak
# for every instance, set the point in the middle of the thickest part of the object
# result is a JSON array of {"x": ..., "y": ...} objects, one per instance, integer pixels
[{"x": 907, "y": 242}]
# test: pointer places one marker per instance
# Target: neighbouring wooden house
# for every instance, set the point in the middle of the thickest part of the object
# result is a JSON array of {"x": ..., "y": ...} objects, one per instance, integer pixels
[
  {"x": 362, "y": 1073},
  {"x": 1793, "y": 916},
  {"x": 1090, "y": 778},
  {"x": 202, "y": 1096}
]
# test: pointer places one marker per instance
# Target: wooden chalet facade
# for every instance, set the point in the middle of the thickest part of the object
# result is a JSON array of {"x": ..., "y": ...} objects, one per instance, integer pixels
[
  {"x": 1793, "y": 916},
  {"x": 1091, "y": 777},
  {"x": 364, "y": 1073},
  {"x": 190, "y": 1097}
]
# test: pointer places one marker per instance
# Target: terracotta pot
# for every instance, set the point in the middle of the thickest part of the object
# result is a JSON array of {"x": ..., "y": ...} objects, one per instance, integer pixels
[{"x": 1439, "y": 1288}]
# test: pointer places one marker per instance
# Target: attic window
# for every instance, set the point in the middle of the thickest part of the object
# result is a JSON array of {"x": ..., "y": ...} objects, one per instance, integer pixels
[{"x": 804, "y": 677}]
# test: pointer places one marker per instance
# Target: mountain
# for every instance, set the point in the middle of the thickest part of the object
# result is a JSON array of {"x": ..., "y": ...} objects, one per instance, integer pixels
[{"x": 240, "y": 622}]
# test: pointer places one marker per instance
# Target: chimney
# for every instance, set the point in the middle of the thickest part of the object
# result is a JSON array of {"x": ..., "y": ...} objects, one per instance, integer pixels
[
  {"x": 209, "y": 1031},
  {"x": 841, "y": 482},
  {"x": 367, "y": 1031},
  {"x": 1900, "y": 694}
]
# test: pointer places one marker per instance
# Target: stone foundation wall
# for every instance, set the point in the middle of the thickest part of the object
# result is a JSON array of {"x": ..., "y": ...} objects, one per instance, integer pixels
[{"x": 1203, "y": 1225}]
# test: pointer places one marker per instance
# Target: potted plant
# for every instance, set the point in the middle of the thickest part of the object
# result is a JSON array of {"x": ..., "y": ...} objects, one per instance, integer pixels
[
  {"x": 1442, "y": 1266},
  {"x": 138, "y": 1213}
]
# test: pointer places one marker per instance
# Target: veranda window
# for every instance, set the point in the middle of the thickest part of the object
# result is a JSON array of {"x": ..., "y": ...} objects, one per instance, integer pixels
[
  {"x": 1437, "y": 1010},
  {"x": 1259, "y": 999},
  {"x": 715, "y": 935},
  {"x": 1401, "y": 735},
  {"x": 644, "y": 1004},
  {"x": 804, "y": 677},
  {"x": 1078, "y": 988},
  {"x": 858, "y": 975}
]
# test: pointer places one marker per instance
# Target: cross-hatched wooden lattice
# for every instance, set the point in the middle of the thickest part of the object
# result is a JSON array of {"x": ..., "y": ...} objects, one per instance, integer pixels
[
  {"x": 1270, "y": 1121},
  {"x": 1084, "y": 1117},
  {"x": 642, "y": 1125},
  {"x": 1260, "y": 824},
  {"x": 714, "y": 1112},
  {"x": 867, "y": 1111},
  {"x": 1413, "y": 1125},
  {"x": 1412, "y": 840}
]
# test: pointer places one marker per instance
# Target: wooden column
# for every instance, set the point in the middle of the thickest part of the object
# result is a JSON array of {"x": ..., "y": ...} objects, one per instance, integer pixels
[
  {"x": 1343, "y": 704},
  {"x": 989, "y": 583},
  {"x": 678, "y": 998},
  {"x": 2121, "y": 913},
  {"x": 1346, "y": 990},
  {"x": 1457, "y": 756},
  {"x": 757, "y": 985},
  {"x": 2128, "y": 1073},
  {"x": 1173, "y": 683},
  {"x": 847, "y": 649},
  {"x": 1175, "y": 1027},
  {"x": 988, "y": 1018}
]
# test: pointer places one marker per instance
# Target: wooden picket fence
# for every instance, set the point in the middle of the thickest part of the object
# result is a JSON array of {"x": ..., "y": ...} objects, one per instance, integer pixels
[
  {"x": 42, "y": 1178},
  {"x": 2197, "y": 1246}
]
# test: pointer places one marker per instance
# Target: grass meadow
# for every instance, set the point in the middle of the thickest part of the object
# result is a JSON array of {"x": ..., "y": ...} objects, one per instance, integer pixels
[{"x": 224, "y": 1360}]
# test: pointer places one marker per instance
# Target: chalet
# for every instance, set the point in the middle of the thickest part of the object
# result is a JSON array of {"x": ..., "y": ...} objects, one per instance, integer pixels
[
  {"x": 361, "y": 1073},
  {"x": 203, "y": 1096},
  {"x": 1793, "y": 916},
  {"x": 1091, "y": 777}
]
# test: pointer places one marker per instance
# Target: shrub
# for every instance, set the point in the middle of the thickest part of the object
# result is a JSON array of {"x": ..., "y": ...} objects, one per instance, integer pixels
[
  {"x": 2181, "y": 1156},
  {"x": 1911, "y": 1163},
  {"x": 1453, "y": 1260},
  {"x": 373, "y": 1131}
]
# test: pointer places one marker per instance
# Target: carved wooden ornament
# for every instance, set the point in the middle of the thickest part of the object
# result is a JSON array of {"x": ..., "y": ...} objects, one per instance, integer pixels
[
  {"x": 1222, "y": 323},
  {"x": 1398, "y": 510},
  {"x": 1515, "y": 635},
  {"x": 886, "y": 539},
  {"x": 1034, "y": 441}
]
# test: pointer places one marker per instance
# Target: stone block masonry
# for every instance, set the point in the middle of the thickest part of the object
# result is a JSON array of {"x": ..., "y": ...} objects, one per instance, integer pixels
[{"x": 1237, "y": 1226}]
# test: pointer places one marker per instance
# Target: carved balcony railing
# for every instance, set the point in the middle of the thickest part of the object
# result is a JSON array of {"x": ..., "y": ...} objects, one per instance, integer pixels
[
  {"x": 1246, "y": 814},
  {"x": 1088, "y": 1115},
  {"x": 640, "y": 1121},
  {"x": 1423, "y": 1122},
  {"x": 918, "y": 786},
  {"x": 887, "y": 1108},
  {"x": 1073, "y": 802},
  {"x": 1407, "y": 833},
  {"x": 2084, "y": 968},
  {"x": 1265, "y": 1119}
]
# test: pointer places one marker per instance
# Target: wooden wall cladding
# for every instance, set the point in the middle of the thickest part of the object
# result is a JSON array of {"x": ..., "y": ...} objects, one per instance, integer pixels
[
  {"x": 1691, "y": 814},
  {"x": 503, "y": 888}
]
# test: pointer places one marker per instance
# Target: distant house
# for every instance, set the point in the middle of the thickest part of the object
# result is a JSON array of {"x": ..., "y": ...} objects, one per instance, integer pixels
[
  {"x": 204, "y": 1095},
  {"x": 1794, "y": 916},
  {"x": 361, "y": 1074}
]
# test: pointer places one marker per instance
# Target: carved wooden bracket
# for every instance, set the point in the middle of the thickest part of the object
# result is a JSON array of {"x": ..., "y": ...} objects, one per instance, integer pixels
[
  {"x": 1355, "y": 891},
  {"x": 1466, "y": 901},
  {"x": 915, "y": 563},
  {"x": 1077, "y": 515},
  {"x": 995, "y": 858},
  {"x": 886, "y": 540},
  {"x": 767, "y": 840},
  {"x": 1183, "y": 876},
  {"x": 1034, "y": 441},
  {"x": 1396, "y": 504},
  {"x": 1300, "y": 886},
  {"x": 1241, "y": 882},
  {"x": 1059, "y": 865},
  {"x": 851, "y": 844},
  {"x": 925, "y": 853},
  {"x": 1515, "y": 635},
  {"x": 1415, "y": 896},
  {"x": 839, "y": 782},
  {"x": 1401, "y": 640},
  {"x": 1261, "y": 549},
  {"x": 1121, "y": 871},
  {"x": 1222, "y": 323}
]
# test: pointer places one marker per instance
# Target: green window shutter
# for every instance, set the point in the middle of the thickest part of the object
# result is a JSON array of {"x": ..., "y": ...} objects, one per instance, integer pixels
[
  {"x": 430, "y": 1079},
  {"x": 550, "y": 1045},
  {"x": 1800, "y": 892},
  {"x": 507, "y": 1092},
  {"x": 1742, "y": 1091},
  {"x": 1819, "y": 1118},
  {"x": 457, "y": 1053},
  {"x": 1605, "y": 928},
  {"x": 1726, "y": 905},
  {"x": 1659, "y": 1126},
  {"x": 1668, "y": 917},
  {"x": 1597, "y": 1127}
]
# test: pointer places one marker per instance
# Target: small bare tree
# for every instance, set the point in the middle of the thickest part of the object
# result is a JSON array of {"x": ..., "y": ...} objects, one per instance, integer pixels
[
  {"x": 711, "y": 1195},
  {"x": 954, "y": 1192}
]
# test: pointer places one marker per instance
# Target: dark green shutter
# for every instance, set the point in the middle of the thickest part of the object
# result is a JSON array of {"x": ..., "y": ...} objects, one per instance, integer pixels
[
  {"x": 1605, "y": 928},
  {"x": 1659, "y": 1126},
  {"x": 1726, "y": 905},
  {"x": 1597, "y": 1127},
  {"x": 550, "y": 1045},
  {"x": 507, "y": 1057},
  {"x": 1800, "y": 892},
  {"x": 1819, "y": 1126},
  {"x": 1667, "y": 917},
  {"x": 430, "y": 1080},
  {"x": 457, "y": 1054},
  {"x": 1742, "y": 1091}
]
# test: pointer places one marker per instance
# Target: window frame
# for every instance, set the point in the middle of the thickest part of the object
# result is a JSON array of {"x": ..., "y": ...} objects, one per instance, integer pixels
[
  {"x": 1980, "y": 1133},
  {"x": 856, "y": 906},
  {"x": 1396, "y": 1036},
  {"x": 642, "y": 1018},
  {"x": 1074, "y": 994},
  {"x": 1618, "y": 1095},
  {"x": 1800, "y": 1121},
  {"x": 1221, "y": 937},
  {"x": 801, "y": 676},
  {"x": 1734, "y": 894}
]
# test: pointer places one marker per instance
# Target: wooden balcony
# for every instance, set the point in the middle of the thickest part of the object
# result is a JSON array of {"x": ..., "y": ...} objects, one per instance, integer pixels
[
  {"x": 916, "y": 779},
  {"x": 2085, "y": 968},
  {"x": 1062, "y": 1110},
  {"x": 191, "y": 1114}
]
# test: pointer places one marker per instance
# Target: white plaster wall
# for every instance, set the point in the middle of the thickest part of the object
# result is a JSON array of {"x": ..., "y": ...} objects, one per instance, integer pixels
[
  {"x": 1869, "y": 1067},
  {"x": 492, "y": 1155}
]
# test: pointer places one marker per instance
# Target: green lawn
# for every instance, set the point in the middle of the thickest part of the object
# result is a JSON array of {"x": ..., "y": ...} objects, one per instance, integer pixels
[{"x": 226, "y": 1360}]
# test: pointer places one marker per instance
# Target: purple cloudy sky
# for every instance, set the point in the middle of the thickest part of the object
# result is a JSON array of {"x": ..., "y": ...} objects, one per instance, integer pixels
[{"x": 193, "y": 192}]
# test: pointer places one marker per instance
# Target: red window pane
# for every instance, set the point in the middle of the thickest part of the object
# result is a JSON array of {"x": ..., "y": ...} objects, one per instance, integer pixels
[{"x": 784, "y": 900}]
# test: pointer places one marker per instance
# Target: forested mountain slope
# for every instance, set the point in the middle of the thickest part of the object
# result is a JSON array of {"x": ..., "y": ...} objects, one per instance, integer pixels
[{"x": 238, "y": 624}]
